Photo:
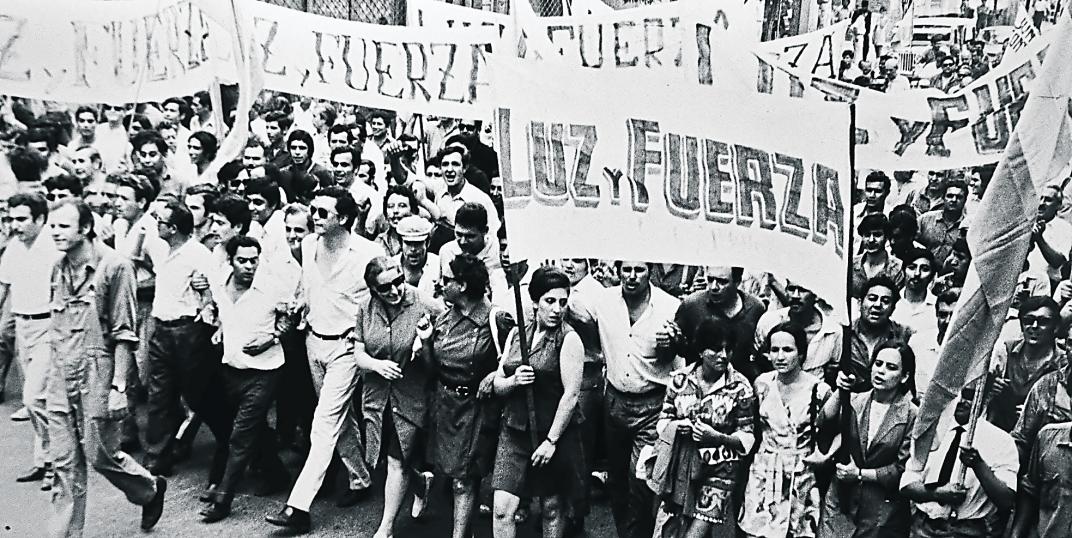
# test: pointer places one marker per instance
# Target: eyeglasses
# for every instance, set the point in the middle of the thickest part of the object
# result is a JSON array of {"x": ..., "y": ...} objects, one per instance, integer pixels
[
  {"x": 1041, "y": 321},
  {"x": 464, "y": 127},
  {"x": 384, "y": 288},
  {"x": 52, "y": 196},
  {"x": 321, "y": 212}
]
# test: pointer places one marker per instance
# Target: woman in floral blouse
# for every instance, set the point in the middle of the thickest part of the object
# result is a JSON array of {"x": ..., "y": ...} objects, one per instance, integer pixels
[{"x": 705, "y": 430}]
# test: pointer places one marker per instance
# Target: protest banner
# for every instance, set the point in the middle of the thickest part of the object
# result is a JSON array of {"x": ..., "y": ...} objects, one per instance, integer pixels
[
  {"x": 818, "y": 53},
  {"x": 120, "y": 51},
  {"x": 426, "y": 70},
  {"x": 921, "y": 129},
  {"x": 440, "y": 14},
  {"x": 635, "y": 167}
]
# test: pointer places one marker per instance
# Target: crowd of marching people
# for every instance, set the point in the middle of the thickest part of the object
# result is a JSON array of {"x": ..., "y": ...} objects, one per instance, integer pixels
[{"x": 342, "y": 290}]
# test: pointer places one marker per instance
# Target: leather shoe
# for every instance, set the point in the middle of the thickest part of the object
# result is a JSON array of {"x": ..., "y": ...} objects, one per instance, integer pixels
[
  {"x": 33, "y": 475},
  {"x": 420, "y": 497},
  {"x": 351, "y": 497},
  {"x": 162, "y": 469},
  {"x": 291, "y": 518},
  {"x": 215, "y": 512},
  {"x": 150, "y": 513},
  {"x": 209, "y": 495}
]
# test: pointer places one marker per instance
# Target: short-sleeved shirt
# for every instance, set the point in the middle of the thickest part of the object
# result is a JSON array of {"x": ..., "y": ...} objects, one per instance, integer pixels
[
  {"x": 1048, "y": 480},
  {"x": 937, "y": 233},
  {"x": 1010, "y": 362},
  {"x": 464, "y": 351},
  {"x": 387, "y": 338},
  {"x": 28, "y": 271},
  {"x": 175, "y": 298},
  {"x": 1058, "y": 234},
  {"x": 1048, "y": 402},
  {"x": 995, "y": 447},
  {"x": 449, "y": 203},
  {"x": 333, "y": 299},
  {"x": 633, "y": 362}
]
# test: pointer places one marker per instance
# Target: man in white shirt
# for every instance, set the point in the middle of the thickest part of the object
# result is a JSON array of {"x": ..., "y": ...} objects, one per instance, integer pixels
[
  {"x": 180, "y": 353},
  {"x": 267, "y": 224},
  {"x": 25, "y": 280},
  {"x": 915, "y": 310},
  {"x": 1051, "y": 237},
  {"x": 453, "y": 161},
  {"x": 635, "y": 326},
  {"x": 945, "y": 508},
  {"x": 331, "y": 289},
  {"x": 250, "y": 328},
  {"x": 928, "y": 346}
]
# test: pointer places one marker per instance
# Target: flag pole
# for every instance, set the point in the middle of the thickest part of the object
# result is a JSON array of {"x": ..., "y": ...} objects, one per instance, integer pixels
[{"x": 845, "y": 423}]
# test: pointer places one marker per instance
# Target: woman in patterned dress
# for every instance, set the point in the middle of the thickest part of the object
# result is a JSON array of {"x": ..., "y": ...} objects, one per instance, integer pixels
[
  {"x": 707, "y": 417},
  {"x": 781, "y": 498}
]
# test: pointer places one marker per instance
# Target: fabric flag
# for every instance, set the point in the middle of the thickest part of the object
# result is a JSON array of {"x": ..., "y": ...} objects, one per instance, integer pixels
[
  {"x": 1023, "y": 30},
  {"x": 1038, "y": 151},
  {"x": 230, "y": 14}
]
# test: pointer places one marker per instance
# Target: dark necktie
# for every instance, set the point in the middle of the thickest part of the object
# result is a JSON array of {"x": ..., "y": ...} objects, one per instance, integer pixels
[{"x": 950, "y": 460}]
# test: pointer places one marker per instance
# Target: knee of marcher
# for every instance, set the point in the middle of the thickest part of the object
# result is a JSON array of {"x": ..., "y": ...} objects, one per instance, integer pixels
[
  {"x": 552, "y": 508},
  {"x": 461, "y": 487}
]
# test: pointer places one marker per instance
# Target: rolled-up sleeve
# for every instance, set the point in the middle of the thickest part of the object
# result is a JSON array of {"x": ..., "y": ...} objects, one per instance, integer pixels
[{"x": 122, "y": 303}]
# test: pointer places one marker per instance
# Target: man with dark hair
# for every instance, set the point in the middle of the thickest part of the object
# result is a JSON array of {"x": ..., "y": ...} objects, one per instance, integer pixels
[
  {"x": 819, "y": 324},
  {"x": 303, "y": 175},
  {"x": 255, "y": 154},
  {"x": 252, "y": 357},
  {"x": 634, "y": 323},
  {"x": 876, "y": 190},
  {"x": 916, "y": 309},
  {"x": 150, "y": 152},
  {"x": 88, "y": 166},
  {"x": 1018, "y": 363},
  {"x": 93, "y": 339},
  {"x": 903, "y": 229},
  {"x": 228, "y": 216},
  {"x": 938, "y": 229},
  {"x": 872, "y": 328},
  {"x": 340, "y": 136},
  {"x": 874, "y": 258},
  {"x": 42, "y": 140},
  {"x": 330, "y": 295},
  {"x": 197, "y": 199},
  {"x": 61, "y": 187},
  {"x": 369, "y": 200},
  {"x": 86, "y": 120},
  {"x": 472, "y": 236},
  {"x": 267, "y": 224},
  {"x": 482, "y": 157},
  {"x": 725, "y": 303},
  {"x": 25, "y": 271},
  {"x": 28, "y": 168},
  {"x": 454, "y": 160},
  {"x": 180, "y": 355},
  {"x": 928, "y": 345},
  {"x": 276, "y": 125}
]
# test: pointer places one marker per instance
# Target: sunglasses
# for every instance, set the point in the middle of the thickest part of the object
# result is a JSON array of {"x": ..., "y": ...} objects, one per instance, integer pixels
[
  {"x": 467, "y": 127},
  {"x": 384, "y": 288},
  {"x": 52, "y": 197},
  {"x": 1032, "y": 320},
  {"x": 321, "y": 212}
]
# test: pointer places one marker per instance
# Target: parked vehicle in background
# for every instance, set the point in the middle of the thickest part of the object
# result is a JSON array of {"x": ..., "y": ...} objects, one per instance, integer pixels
[{"x": 953, "y": 31}]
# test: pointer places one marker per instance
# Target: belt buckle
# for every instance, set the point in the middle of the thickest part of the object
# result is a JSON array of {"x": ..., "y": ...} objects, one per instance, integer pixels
[{"x": 463, "y": 391}]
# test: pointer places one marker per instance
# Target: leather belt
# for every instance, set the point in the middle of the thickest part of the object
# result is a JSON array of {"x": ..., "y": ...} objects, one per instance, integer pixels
[{"x": 331, "y": 337}]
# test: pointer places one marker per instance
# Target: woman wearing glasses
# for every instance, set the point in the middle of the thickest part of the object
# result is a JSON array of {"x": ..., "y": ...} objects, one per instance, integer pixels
[
  {"x": 459, "y": 346},
  {"x": 394, "y": 390}
]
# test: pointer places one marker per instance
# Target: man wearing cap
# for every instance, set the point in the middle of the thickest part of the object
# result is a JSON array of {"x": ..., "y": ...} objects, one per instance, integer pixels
[{"x": 420, "y": 267}]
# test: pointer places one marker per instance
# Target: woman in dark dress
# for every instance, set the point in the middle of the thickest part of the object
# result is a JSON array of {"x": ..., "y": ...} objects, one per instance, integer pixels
[
  {"x": 553, "y": 469},
  {"x": 459, "y": 348}
]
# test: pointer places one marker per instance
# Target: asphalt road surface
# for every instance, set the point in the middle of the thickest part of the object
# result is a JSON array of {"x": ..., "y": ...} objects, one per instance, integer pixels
[{"x": 24, "y": 509}]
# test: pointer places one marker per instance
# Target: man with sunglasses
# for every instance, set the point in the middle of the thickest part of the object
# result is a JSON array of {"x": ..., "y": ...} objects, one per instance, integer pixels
[
  {"x": 1018, "y": 363},
  {"x": 25, "y": 279},
  {"x": 331, "y": 288}
]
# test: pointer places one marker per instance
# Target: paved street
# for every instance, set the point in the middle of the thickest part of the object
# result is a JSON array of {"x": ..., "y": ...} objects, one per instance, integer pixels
[{"x": 24, "y": 508}]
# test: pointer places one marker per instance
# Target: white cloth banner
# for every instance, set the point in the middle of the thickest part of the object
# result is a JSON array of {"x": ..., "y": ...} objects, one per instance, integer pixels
[
  {"x": 440, "y": 72},
  {"x": 440, "y": 14},
  {"x": 634, "y": 167},
  {"x": 116, "y": 51},
  {"x": 920, "y": 129}
]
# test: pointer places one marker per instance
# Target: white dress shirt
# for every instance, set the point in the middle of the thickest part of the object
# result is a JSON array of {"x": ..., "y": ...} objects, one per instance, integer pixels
[
  {"x": 175, "y": 298},
  {"x": 251, "y": 317},
  {"x": 332, "y": 299},
  {"x": 633, "y": 364},
  {"x": 28, "y": 273}
]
